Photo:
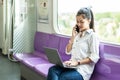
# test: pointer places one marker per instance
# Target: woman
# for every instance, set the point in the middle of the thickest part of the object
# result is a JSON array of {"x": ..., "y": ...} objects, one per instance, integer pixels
[{"x": 83, "y": 47}]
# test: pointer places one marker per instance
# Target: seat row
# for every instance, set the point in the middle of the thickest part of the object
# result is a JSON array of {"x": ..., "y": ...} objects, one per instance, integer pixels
[{"x": 35, "y": 65}]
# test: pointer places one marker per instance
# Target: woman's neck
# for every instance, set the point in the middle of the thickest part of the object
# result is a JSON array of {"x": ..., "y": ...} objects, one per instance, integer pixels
[{"x": 84, "y": 30}]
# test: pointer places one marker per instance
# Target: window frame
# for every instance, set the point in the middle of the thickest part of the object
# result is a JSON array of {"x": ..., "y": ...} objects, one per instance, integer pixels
[{"x": 56, "y": 28}]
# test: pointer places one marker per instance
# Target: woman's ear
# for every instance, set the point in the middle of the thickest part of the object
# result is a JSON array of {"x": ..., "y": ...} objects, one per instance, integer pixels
[{"x": 89, "y": 21}]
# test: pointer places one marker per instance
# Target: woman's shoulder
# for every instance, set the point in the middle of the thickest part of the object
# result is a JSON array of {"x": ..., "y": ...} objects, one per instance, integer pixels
[{"x": 92, "y": 34}]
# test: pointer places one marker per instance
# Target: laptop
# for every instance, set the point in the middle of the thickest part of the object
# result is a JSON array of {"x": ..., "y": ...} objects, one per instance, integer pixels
[{"x": 54, "y": 57}]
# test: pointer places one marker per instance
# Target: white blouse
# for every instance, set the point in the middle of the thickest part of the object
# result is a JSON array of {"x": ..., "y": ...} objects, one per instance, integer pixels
[{"x": 83, "y": 47}]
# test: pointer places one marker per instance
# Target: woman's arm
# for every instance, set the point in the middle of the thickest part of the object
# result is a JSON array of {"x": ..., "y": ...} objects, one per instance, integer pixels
[
  {"x": 79, "y": 62},
  {"x": 84, "y": 61},
  {"x": 69, "y": 45},
  {"x": 94, "y": 48}
]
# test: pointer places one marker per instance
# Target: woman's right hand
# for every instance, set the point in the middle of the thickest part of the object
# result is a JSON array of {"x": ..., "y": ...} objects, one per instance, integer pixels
[
  {"x": 69, "y": 45},
  {"x": 74, "y": 32}
]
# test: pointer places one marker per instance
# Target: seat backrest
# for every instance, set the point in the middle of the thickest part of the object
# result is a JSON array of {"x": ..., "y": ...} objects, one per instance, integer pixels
[
  {"x": 41, "y": 39},
  {"x": 62, "y": 46},
  {"x": 53, "y": 41}
]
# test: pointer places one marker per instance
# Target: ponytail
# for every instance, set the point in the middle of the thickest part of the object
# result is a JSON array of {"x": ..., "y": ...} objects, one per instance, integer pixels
[{"x": 92, "y": 21}]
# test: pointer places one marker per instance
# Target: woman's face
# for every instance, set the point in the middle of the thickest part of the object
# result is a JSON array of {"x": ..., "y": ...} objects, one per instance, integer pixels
[{"x": 83, "y": 23}]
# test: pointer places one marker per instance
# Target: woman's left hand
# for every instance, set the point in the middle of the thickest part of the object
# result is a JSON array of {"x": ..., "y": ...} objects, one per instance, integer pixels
[{"x": 71, "y": 63}]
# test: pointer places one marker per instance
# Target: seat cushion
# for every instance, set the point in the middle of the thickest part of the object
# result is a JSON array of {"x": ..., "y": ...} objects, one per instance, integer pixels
[
  {"x": 43, "y": 68},
  {"x": 32, "y": 62},
  {"x": 22, "y": 56},
  {"x": 40, "y": 54}
]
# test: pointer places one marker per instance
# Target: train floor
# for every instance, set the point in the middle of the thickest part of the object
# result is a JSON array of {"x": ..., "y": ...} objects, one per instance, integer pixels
[{"x": 8, "y": 70}]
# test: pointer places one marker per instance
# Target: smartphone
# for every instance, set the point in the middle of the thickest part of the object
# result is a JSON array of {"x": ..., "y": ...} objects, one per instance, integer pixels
[{"x": 77, "y": 28}]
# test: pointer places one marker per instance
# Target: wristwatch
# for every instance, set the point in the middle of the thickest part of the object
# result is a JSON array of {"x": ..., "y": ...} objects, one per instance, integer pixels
[{"x": 78, "y": 62}]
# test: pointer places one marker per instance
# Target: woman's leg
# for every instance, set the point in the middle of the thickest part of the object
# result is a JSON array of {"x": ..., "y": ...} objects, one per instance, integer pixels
[
  {"x": 54, "y": 73},
  {"x": 70, "y": 74}
]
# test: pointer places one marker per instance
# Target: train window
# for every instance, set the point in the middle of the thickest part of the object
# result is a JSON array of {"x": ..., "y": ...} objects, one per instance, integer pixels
[
  {"x": 20, "y": 11},
  {"x": 106, "y": 14}
]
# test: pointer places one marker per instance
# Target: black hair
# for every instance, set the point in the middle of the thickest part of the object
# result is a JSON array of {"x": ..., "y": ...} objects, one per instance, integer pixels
[{"x": 87, "y": 13}]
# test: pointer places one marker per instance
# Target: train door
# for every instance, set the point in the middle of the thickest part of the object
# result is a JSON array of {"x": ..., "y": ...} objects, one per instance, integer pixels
[
  {"x": 1, "y": 23},
  {"x": 20, "y": 26},
  {"x": 7, "y": 26}
]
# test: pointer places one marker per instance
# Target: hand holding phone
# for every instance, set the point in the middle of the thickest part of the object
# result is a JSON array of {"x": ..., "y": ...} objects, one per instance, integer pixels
[{"x": 77, "y": 28}]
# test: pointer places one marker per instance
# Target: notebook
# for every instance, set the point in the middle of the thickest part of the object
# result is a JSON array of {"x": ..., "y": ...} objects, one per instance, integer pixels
[{"x": 54, "y": 57}]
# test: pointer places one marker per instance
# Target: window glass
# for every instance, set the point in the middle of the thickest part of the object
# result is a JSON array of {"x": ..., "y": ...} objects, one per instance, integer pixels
[
  {"x": 20, "y": 11},
  {"x": 106, "y": 14}
]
